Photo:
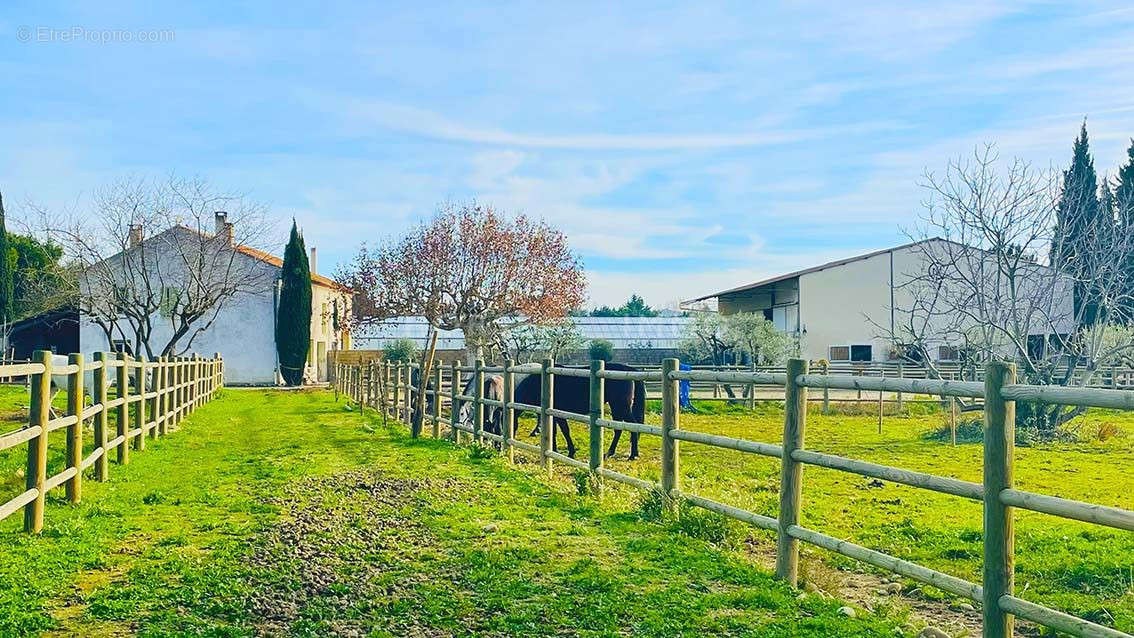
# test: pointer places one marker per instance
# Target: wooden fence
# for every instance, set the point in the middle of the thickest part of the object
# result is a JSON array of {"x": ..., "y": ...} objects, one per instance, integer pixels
[
  {"x": 152, "y": 398},
  {"x": 386, "y": 386}
]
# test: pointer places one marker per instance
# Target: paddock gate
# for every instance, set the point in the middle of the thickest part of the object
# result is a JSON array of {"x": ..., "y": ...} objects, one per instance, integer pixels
[
  {"x": 164, "y": 392},
  {"x": 386, "y": 386}
]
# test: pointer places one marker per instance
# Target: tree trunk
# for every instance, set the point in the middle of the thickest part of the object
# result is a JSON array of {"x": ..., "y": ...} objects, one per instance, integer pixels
[{"x": 424, "y": 374}]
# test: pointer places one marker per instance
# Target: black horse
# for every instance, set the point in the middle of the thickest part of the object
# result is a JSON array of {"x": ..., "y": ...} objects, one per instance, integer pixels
[{"x": 627, "y": 401}]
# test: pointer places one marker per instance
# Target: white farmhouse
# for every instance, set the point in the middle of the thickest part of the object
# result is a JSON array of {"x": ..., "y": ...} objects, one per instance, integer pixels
[
  {"x": 243, "y": 330},
  {"x": 846, "y": 310}
]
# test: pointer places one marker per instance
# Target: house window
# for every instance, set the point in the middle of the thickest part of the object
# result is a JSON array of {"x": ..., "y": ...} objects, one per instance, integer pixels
[
  {"x": 862, "y": 353},
  {"x": 1037, "y": 346},
  {"x": 122, "y": 346},
  {"x": 948, "y": 353},
  {"x": 839, "y": 353}
]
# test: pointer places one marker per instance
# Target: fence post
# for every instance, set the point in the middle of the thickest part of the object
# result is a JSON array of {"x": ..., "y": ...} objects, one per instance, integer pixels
[
  {"x": 826, "y": 391},
  {"x": 75, "y": 430},
  {"x": 953, "y": 419},
  {"x": 478, "y": 403},
  {"x": 157, "y": 412},
  {"x": 999, "y": 530},
  {"x": 407, "y": 394},
  {"x": 752, "y": 387},
  {"x": 197, "y": 381},
  {"x": 671, "y": 414},
  {"x": 39, "y": 410},
  {"x": 454, "y": 402},
  {"x": 901, "y": 397},
  {"x": 367, "y": 385},
  {"x": 881, "y": 405},
  {"x": 508, "y": 415},
  {"x": 175, "y": 391},
  {"x": 597, "y": 396},
  {"x": 102, "y": 467},
  {"x": 395, "y": 387},
  {"x": 140, "y": 410},
  {"x": 155, "y": 389},
  {"x": 374, "y": 384},
  {"x": 384, "y": 386},
  {"x": 436, "y": 399},
  {"x": 167, "y": 383},
  {"x": 123, "y": 408},
  {"x": 216, "y": 374},
  {"x": 791, "y": 472},
  {"x": 546, "y": 402}
]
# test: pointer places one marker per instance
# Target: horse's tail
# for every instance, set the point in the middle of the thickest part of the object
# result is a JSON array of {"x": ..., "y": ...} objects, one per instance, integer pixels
[{"x": 638, "y": 405}]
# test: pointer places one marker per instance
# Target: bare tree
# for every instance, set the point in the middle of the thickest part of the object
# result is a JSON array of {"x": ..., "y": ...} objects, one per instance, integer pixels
[
  {"x": 985, "y": 284},
  {"x": 157, "y": 263}
]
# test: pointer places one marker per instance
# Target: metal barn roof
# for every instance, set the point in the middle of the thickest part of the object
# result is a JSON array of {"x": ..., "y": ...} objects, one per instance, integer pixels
[{"x": 623, "y": 332}]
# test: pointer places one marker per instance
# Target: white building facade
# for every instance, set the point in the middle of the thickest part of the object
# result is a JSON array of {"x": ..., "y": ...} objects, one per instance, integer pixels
[
  {"x": 847, "y": 310},
  {"x": 243, "y": 330}
]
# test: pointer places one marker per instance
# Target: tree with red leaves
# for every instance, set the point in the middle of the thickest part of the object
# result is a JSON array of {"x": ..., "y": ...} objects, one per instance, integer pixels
[{"x": 469, "y": 267}]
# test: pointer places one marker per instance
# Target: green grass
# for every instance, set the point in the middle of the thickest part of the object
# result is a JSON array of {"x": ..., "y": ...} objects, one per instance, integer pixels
[
  {"x": 1079, "y": 568},
  {"x": 286, "y": 513}
]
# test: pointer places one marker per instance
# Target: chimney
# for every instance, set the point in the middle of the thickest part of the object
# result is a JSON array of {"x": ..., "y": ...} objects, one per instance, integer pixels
[
  {"x": 223, "y": 226},
  {"x": 135, "y": 235},
  {"x": 313, "y": 264}
]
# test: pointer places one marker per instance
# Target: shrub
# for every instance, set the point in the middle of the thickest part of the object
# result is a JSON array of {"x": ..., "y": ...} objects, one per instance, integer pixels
[
  {"x": 401, "y": 350},
  {"x": 601, "y": 349}
]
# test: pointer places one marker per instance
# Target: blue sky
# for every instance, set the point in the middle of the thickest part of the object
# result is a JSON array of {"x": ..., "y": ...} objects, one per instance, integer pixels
[{"x": 684, "y": 148}]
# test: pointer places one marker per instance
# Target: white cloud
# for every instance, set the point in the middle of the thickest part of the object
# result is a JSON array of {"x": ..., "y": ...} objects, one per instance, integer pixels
[{"x": 369, "y": 113}]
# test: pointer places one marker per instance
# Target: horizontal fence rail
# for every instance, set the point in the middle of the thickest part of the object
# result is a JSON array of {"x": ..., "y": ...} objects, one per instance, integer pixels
[
  {"x": 459, "y": 402},
  {"x": 152, "y": 398}
]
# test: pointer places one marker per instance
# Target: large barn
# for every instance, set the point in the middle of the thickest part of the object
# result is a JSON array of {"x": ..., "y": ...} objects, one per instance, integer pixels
[{"x": 845, "y": 310}]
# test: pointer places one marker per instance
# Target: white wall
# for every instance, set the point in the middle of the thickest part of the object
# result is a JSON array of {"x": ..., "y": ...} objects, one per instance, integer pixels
[
  {"x": 850, "y": 304},
  {"x": 242, "y": 333},
  {"x": 835, "y": 304},
  {"x": 244, "y": 330}
]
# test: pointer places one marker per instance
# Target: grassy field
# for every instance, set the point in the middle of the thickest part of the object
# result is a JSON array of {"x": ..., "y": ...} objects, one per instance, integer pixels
[
  {"x": 278, "y": 513},
  {"x": 1075, "y": 567}
]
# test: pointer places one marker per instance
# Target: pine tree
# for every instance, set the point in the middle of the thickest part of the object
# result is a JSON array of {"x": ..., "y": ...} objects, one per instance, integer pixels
[
  {"x": 6, "y": 278},
  {"x": 293, "y": 319},
  {"x": 1078, "y": 221}
]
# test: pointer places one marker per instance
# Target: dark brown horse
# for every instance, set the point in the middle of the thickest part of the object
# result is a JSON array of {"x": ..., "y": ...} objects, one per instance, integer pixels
[{"x": 627, "y": 401}]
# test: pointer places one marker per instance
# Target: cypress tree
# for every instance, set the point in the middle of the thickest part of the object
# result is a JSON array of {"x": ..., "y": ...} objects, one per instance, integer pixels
[
  {"x": 293, "y": 320},
  {"x": 1124, "y": 213},
  {"x": 1078, "y": 222},
  {"x": 6, "y": 278},
  {"x": 1124, "y": 191}
]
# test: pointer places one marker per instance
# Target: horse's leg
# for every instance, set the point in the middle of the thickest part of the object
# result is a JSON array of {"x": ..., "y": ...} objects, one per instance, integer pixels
[
  {"x": 633, "y": 445},
  {"x": 613, "y": 444},
  {"x": 567, "y": 436}
]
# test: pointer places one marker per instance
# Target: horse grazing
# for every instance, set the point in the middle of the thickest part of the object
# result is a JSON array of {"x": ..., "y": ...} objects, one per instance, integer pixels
[
  {"x": 493, "y": 415},
  {"x": 627, "y": 401},
  {"x": 493, "y": 389}
]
